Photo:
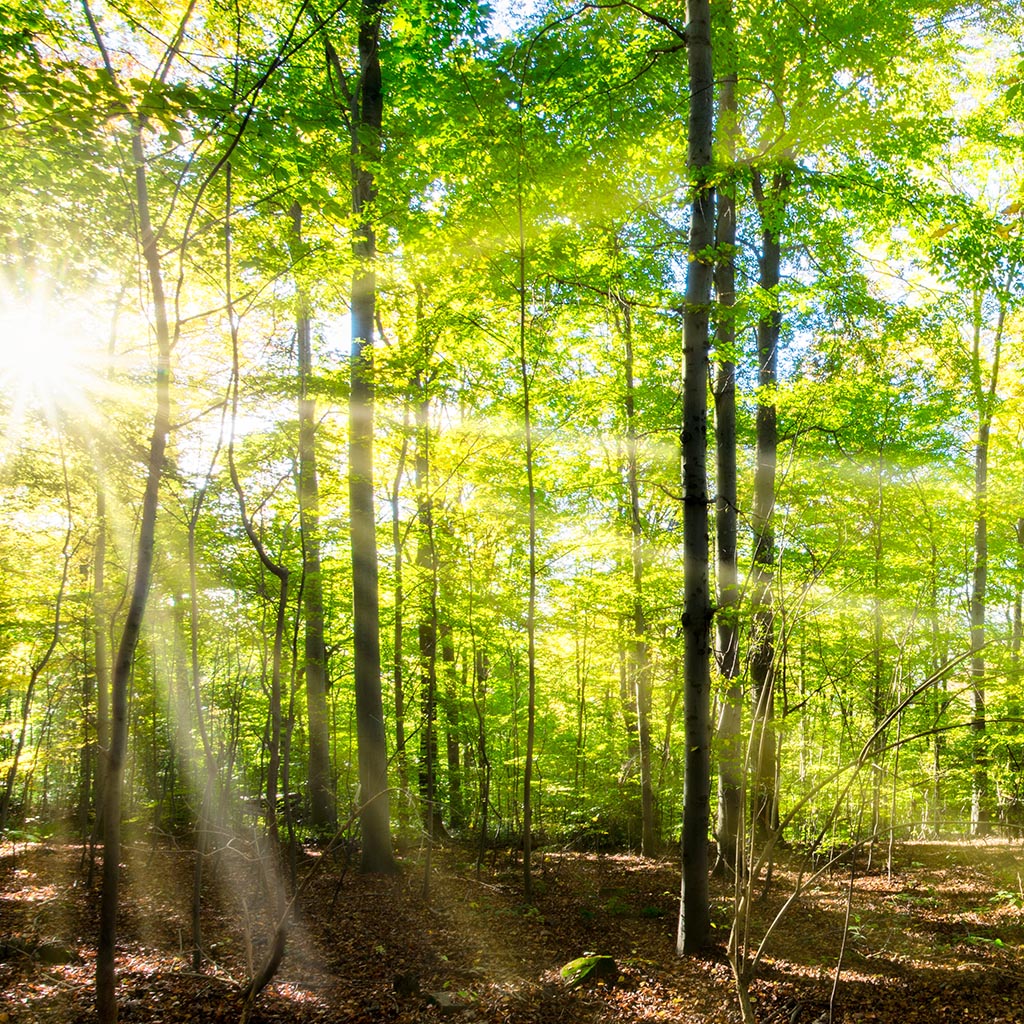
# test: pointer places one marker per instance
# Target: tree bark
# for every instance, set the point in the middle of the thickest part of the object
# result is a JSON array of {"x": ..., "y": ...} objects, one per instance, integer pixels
[
  {"x": 694, "y": 929},
  {"x": 106, "y": 987},
  {"x": 366, "y": 120},
  {"x": 321, "y": 791},
  {"x": 531, "y": 608},
  {"x": 762, "y": 639},
  {"x": 426, "y": 562},
  {"x": 730, "y": 718},
  {"x": 637, "y": 657},
  {"x": 984, "y": 399},
  {"x": 100, "y": 642},
  {"x": 276, "y": 569},
  {"x": 398, "y": 664},
  {"x": 453, "y": 725}
]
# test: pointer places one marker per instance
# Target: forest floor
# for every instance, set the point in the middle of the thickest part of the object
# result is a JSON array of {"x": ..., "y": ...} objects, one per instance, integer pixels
[{"x": 938, "y": 938}]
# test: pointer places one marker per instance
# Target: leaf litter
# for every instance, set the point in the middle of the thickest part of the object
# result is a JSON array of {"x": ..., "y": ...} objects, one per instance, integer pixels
[{"x": 939, "y": 938}]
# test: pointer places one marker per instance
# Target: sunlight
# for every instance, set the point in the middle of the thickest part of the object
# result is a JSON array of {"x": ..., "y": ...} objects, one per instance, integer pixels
[{"x": 44, "y": 355}]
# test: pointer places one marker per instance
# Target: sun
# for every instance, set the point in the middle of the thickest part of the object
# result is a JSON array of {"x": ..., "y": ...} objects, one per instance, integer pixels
[{"x": 45, "y": 356}]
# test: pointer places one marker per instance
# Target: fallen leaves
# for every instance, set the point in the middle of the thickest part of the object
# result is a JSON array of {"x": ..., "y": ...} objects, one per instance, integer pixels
[{"x": 938, "y": 940}]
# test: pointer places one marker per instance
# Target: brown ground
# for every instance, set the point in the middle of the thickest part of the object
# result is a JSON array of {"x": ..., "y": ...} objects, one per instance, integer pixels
[{"x": 940, "y": 940}]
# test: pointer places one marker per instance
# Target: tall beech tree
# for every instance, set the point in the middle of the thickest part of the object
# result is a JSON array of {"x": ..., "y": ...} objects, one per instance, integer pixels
[
  {"x": 731, "y": 760},
  {"x": 321, "y": 789},
  {"x": 366, "y": 126},
  {"x": 771, "y": 210},
  {"x": 638, "y": 658},
  {"x": 149, "y": 242},
  {"x": 694, "y": 929},
  {"x": 985, "y": 394},
  {"x": 426, "y": 562}
]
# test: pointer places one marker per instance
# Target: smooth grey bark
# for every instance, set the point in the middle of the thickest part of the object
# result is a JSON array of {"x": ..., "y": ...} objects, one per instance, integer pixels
[
  {"x": 106, "y": 985},
  {"x": 531, "y": 607},
  {"x": 276, "y": 569},
  {"x": 426, "y": 562},
  {"x": 694, "y": 930},
  {"x": 765, "y": 813},
  {"x": 203, "y": 818},
  {"x": 366, "y": 119},
  {"x": 984, "y": 393},
  {"x": 453, "y": 725},
  {"x": 481, "y": 673},
  {"x": 398, "y": 636},
  {"x": 321, "y": 790},
  {"x": 100, "y": 619},
  {"x": 730, "y": 717},
  {"x": 637, "y": 656},
  {"x": 879, "y": 689}
]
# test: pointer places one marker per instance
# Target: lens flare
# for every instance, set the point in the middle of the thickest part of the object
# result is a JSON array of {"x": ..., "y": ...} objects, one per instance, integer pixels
[{"x": 44, "y": 355}]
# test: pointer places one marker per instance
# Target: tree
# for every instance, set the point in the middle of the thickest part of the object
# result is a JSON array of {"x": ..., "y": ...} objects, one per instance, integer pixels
[
  {"x": 731, "y": 760},
  {"x": 771, "y": 207},
  {"x": 694, "y": 914},
  {"x": 106, "y": 993},
  {"x": 321, "y": 790},
  {"x": 366, "y": 123}
]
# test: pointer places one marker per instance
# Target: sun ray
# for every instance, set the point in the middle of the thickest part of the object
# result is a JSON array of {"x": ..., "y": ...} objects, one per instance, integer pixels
[{"x": 51, "y": 363}]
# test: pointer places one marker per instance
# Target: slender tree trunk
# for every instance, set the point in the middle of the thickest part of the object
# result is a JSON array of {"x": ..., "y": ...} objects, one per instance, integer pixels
[
  {"x": 730, "y": 718},
  {"x": 580, "y": 764},
  {"x": 456, "y": 812},
  {"x": 366, "y": 120},
  {"x": 426, "y": 561},
  {"x": 879, "y": 695},
  {"x": 321, "y": 791},
  {"x": 985, "y": 399},
  {"x": 627, "y": 698},
  {"x": 762, "y": 640},
  {"x": 100, "y": 627},
  {"x": 209, "y": 762},
  {"x": 398, "y": 664},
  {"x": 694, "y": 929},
  {"x": 481, "y": 673},
  {"x": 531, "y": 609},
  {"x": 1009, "y": 808},
  {"x": 638, "y": 659},
  {"x": 106, "y": 988},
  {"x": 277, "y": 569},
  {"x": 87, "y": 749}
]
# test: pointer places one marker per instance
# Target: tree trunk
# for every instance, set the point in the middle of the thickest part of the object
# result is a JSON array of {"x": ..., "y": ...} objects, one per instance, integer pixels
[
  {"x": 321, "y": 791},
  {"x": 366, "y": 120},
  {"x": 730, "y": 719},
  {"x": 984, "y": 398},
  {"x": 879, "y": 695},
  {"x": 638, "y": 660},
  {"x": 481, "y": 673},
  {"x": 456, "y": 812},
  {"x": 694, "y": 929},
  {"x": 426, "y": 561},
  {"x": 762, "y": 640},
  {"x": 106, "y": 987},
  {"x": 398, "y": 664},
  {"x": 100, "y": 645},
  {"x": 531, "y": 608},
  {"x": 209, "y": 763},
  {"x": 277, "y": 569}
]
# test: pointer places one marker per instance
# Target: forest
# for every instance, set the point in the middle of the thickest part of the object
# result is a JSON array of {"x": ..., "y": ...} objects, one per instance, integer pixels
[{"x": 546, "y": 475}]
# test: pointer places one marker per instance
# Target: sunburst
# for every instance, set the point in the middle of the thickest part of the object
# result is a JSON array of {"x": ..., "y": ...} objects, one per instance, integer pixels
[{"x": 49, "y": 361}]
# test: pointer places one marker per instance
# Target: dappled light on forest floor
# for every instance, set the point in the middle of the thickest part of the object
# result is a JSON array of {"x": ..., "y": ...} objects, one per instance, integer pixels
[{"x": 941, "y": 939}]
